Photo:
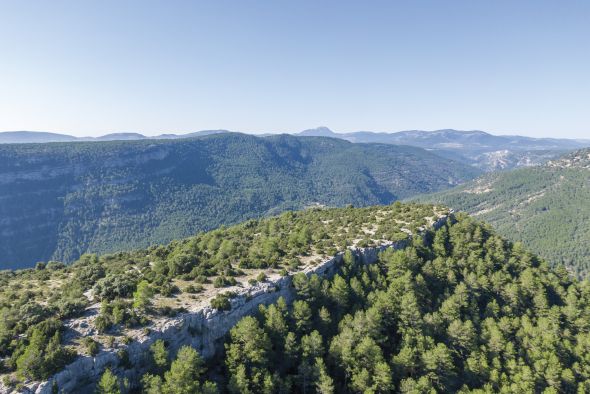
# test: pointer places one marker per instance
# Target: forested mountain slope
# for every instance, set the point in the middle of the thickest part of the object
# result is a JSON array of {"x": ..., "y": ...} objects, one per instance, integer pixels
[
  {"x": 459, "y": 309},
  {"x": 60, "y": 200},
  {"x": 464, "y": 312},
  {"x": 53, "y": 313},
  {"x": 547, "y": 207}
]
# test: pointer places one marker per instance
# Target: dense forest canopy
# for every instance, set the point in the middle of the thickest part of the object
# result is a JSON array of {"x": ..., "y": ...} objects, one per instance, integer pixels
[
  {"x": 61, "y": 200},
  {"x": 544, "y": 207},
  {"x": 459, "y": 309}
]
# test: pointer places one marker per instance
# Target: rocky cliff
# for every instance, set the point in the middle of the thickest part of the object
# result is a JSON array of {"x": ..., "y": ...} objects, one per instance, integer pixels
[{"x": 203, "y": 329}]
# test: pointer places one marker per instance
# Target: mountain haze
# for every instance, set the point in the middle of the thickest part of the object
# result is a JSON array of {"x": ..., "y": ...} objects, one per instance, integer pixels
[
  {"x": 23, "y": 137},
  {"x": 478, "y": 148},
  {"x": 452, "y": 139},
  {"x": 20, "y": 137},
  {"x": 58, "y": 201}
]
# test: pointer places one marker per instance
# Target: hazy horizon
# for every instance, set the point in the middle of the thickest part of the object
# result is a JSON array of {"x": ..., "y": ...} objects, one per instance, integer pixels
[
  {"x": 89, "y": 69},
  {"x": 258, "y": 132}
]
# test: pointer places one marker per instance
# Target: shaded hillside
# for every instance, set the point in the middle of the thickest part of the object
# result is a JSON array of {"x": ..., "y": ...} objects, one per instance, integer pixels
[
  {"x": 58, "y": 201},
  {"x": 547, "y": 208}
]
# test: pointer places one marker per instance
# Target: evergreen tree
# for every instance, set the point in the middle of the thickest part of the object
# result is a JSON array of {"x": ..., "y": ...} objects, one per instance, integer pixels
[
  {"x": 185, "y": 371},
  {"x": 108, "y": 384},
  {"x": 159, "y": 355},
  {"x": 324, "y": 383},
  {"x": 142, "y": 297}
]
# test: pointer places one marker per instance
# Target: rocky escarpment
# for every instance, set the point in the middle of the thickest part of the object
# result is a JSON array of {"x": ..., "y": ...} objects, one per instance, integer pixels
[{"x": 203, "y": 329}]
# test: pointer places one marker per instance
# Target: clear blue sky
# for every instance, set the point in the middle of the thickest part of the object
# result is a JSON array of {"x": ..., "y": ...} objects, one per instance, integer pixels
[{"x": 93, "y": 67}]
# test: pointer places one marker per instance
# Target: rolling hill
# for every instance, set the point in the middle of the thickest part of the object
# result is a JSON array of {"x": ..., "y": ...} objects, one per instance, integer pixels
[
  {"x": 58, "y": 201},
  {"x": 546, "y": 207},
  {"x": 39, "y": 137}
]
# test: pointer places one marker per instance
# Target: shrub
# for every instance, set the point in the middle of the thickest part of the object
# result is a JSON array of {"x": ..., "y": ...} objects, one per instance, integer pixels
[
  {"x": 55, "y": 265},
  {"x": 91, "y": 346},
  {"x": 168, "y": 288},
  {"x": 102, "y": 323},
  {"x": 261, "y": 277},
  {"x": 223, "y": 281},
  {"x": 181, "y": 264},
  {"x": 193, "y": 289},
  {"x": 221, "y": 302},
  {"x": 124, "y": 358},
  {"x": 89, "y": 273},
  {"x": 115, "y": 285}
]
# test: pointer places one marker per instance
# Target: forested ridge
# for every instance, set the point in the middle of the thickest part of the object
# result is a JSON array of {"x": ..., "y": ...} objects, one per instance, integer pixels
[
  {"x": 53, "y": 313},
  {"x": 545, "y": 207},
  {"x": 461, "y": 309},
  {"x": 61, "y": 200}
]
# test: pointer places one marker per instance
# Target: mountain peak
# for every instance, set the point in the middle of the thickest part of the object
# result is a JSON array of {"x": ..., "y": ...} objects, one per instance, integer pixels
[
  {"x": 321, "y": 131},
  {"x": 120, "y": 136}
]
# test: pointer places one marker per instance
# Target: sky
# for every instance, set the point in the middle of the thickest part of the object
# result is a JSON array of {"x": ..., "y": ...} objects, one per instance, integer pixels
[{"x": 96, "y": 67}]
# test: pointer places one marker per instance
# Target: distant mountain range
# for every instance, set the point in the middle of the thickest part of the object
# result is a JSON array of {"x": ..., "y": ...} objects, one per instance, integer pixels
[
  {"x": 477, "y": 148},
  {"x": 20, "y": 137},
  {"x": 483, "y": 150},
  {"x": 546, "y": 207},
  {"x": 60, "y": 200},
  {"x": 452, "y": 139}
]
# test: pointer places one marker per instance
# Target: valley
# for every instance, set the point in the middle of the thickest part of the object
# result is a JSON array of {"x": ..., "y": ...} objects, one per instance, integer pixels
[
  {"x": 61, "y": 200},
  {"x": 170, "y": 223}
]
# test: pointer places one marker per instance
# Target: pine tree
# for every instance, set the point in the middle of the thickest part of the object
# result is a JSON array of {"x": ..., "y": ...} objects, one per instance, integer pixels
[
  {"x": 340, "y": 292},
  {"x": 108, "y": 383},
  {"x": 302, "y": 316},
  {"x": 324, "y": 383},
  {"x": 159, "y": 355},
  {"x": 142, "y": 297},
  {"x": 247, "y": 355},
  {"x": 185, "y": 371}
]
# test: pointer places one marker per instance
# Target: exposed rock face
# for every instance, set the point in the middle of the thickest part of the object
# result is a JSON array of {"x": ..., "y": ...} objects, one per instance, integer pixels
[{"x": 202, "y": 329}]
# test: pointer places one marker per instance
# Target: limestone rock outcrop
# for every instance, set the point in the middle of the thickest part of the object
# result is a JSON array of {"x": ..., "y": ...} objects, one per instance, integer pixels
[{"x": 203, "y": 329}]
